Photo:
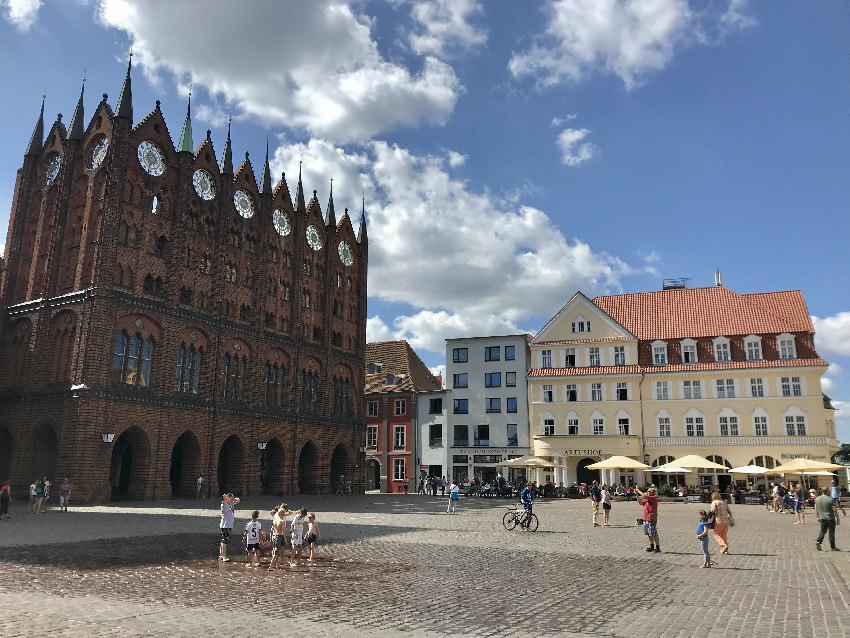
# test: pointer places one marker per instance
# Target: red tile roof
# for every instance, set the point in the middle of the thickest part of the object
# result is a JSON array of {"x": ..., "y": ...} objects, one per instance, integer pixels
[
  {"x": 399, "y": 359},
  {"x": 707, "y": 312},
  {"x": 676, "y": 367}
]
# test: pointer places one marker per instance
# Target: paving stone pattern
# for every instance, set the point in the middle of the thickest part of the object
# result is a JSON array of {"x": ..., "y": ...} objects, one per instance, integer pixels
[{"x": 393, "y": 565}]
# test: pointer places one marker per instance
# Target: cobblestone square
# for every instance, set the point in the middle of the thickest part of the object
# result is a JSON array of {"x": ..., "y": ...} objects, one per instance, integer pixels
[{"x": 393, "y": 565}]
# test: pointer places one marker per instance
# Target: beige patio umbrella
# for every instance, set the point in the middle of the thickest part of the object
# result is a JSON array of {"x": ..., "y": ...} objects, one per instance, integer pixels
[
  {"x": 800, "y": 466},
  {"x": 618, "y": 463},
  {"x": 528, "y": 461},
  {"x": 694, "y": 461}
]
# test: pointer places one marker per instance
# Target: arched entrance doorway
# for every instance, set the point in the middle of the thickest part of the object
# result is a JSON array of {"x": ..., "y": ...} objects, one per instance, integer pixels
[
  {"x": 230, "y": 462},
  {"x": 6, "y": 454},
  {"x": 128, "y": 473},
  {"x": 185, "y": 465},
  {"x": 339, "y": 467},
  {"x": 583, "y": 475},
  {"x": 271, "y": 468},
  {"x": 45, "y": 449},
  {"x": 373, "y": 475},
  {"x": 308, "y": 470}
]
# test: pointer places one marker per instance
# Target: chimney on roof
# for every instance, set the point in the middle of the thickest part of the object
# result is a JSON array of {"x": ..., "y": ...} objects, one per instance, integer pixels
[
  {"x": 439, "y": 379},
  {"x": 718, "y": 278}
]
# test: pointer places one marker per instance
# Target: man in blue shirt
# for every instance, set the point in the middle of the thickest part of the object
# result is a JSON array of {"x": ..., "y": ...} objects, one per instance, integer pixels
[
  {"x": 595, "y": 497},
  {"x": 527, "y": 498},
  {"x": 836, "y": 496}
]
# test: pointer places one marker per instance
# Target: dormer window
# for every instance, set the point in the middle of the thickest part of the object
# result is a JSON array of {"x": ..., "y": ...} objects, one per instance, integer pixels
[
  {"x": 393, "y": 380},
  {"x": 787, "y": 347},
  {"x": 659, "y": 353},
  {"x": 753, "y": 347},
  {"x": 374, "y": 368},
  {"x": 689, "y": 351},
  {"x": 581, "y": 325},
  {"x": 721, "y": 349}
]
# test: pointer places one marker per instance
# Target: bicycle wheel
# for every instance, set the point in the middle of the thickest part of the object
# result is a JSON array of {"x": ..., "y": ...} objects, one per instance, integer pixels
[
  {"x": 509, "y": 520},
  {"x": 532, "y": 523}
]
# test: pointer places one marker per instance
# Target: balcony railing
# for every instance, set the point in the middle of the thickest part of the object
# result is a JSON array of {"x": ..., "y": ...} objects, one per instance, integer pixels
[{"x": 745, "y": 441}]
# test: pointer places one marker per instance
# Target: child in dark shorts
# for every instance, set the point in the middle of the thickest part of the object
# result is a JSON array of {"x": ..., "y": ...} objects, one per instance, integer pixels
[
  {"x": 312, "y": 535},
  {"x": 253, "y": 531}
]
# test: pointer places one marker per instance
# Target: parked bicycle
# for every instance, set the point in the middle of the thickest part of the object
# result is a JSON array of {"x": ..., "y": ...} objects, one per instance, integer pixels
[{"x": 515, "y": 516}]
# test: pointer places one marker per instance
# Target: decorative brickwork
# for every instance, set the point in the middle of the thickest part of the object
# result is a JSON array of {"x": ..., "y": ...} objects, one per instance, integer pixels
[{"x": 149, "y": 294}]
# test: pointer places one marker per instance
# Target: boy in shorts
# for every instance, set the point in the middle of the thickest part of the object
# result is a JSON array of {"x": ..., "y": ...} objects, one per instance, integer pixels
[
  {"x": 312, "y": 535},
  {"x": 297, "y": 535},
  {"x": 253, "y": 530},
  {"x": 278, "y": 533},
  {"x": 228, "y": 514}
]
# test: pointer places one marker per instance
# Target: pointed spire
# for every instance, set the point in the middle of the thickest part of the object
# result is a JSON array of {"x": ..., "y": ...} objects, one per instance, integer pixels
[
  {"x": 124, "y": 108},
  {"x": 299, "y": 194},
  {"x": 75, "y": 131},
  {"x": 361, "y": 234},
  {"x": 331, "y": 216},
  {"x": 37, "y": 138},
  {"x": 227, "y": 155},
  {"x": 266, "y": 181},
  {"x": 186, "y": 144}
]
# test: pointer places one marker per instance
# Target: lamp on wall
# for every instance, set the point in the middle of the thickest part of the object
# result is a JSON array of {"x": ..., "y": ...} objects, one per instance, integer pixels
[
  {"x": 107, "y": 437},
  {"x": 646, "y": 458},
  {"x": 261, "y": 445}
]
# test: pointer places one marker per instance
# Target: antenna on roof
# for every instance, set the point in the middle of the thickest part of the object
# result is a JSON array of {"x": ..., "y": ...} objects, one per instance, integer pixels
[{"x": 718, "y": 278}]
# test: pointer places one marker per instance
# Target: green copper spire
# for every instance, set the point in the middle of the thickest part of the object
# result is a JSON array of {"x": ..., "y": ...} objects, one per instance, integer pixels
[{"x": 186, "y": 145}]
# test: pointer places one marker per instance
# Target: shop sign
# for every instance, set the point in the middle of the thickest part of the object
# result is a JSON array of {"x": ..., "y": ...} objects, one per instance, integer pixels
[
  {"x": 582, "y": 452},
  {"x": 810, "y": 457},
  {"x": 487, "y": 450}
]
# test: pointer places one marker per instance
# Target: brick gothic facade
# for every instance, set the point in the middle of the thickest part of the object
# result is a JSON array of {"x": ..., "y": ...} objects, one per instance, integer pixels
[{"x": 158, "y": 295}]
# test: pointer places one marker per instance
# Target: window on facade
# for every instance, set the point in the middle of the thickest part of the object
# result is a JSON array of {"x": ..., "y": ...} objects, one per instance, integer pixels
[
  {"x": 791, "y": 387},
  {"x": 689, "y": 353},
  {"x": 725, "y": 388},
  {"x": 398, "y": 470},
  {"x": 510, "y": 405},
  {"x": 187, "y": 376},
  {"x": 757, "y": 387},
  {"x": 435, "y": 434},
  {"x": 664, "y": 429},
  {"x": 510, "y": 379},
  {"x": 582, "y": 325},
  {"x": 760, "y": 425},
  {"x": 548, "y": 394},
  {"x": 372, "y": 436},
  {"x": 753, "y": 350},
  {"x": 662, "y": 390},
  {"x": 513, "y": 436},
  {"x": 598, "y": 426},
  {"x": 461, "y": 406},
  {"x": 721, "y": 351},
  {"x": 310, "y": 390},
  {"x": 510, "y": 353},
  {"x": 131, "y": 359},
  {"x": 623, "y": 427},
  {"x": 400, "y": 407},
  {"x": 571, "y": 392},
  {"x": 273, "y": 384},
  {"x": 572, "y": 427},
  {"x": 399, "y": 437},
  {"x": 728, "y": 425},
  {"x": 546, "y": 358},
  {"x": 659, "y": 355},
  {"x": 548, "y": 427},
  {"x": 570, "y": 358},
  {"x": 594, "y": 358},
  {"x": 233, "y": 372},
  {"x": 622, "y": 391},
  {"x": 694, "y": 426},
  {"x": 492, "y": 379},
  {"x": 460, "y": 355},
  {"x": 482, "y": 435},
  {"x": 692, "y": 389},
  {"x": 619, "y": 355},
  {"x": 461, "y": 438},
  {"x": 460, "y": 380},
  {"x": 787, "y": 350},
  {"x": 795, "y": 425},
  {"x": 492, "y": 353},
  {"x": 341, "y": 396},
  {"x": 492, "y": 405},
  {"x": 435, "y": 406},
  {"x": 595, "y": 391},
  {"x": 371, "y": 408}
]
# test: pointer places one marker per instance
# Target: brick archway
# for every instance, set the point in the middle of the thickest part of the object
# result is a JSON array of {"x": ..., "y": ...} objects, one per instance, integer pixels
[
  {"x": 7, "y": 456},
  {"x": 339, "y": 468},
  {"x": 185, "y": 465},
  {"x": 309, "y": 475},
  {"x": 45, "y": 450},
  {"x": 129, "y": 472},
  {"x": 231, "y": 461},
  {"x": 272, "y": 468}
]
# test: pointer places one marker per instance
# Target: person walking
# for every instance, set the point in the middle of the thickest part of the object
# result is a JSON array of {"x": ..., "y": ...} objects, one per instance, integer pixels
[
  {"x": 33, "y": 492},
  {"x": 297, "y": 533},
  {"x": 722, "y": 518},
  {"x": 702, "y": 537},
  {"x": 442, "y": 486},
  {"x": 454, "y": 495},
  {"x": 595, "y": 497},
  {"x": 826, "y": 513},
  {"x": 835, "y": 493},
  {"x": 40, "y": 495},
  {"x": 650, "y": 517},
  {"x": 228, "y": 514},
  {"x": 797, "y": 503},
  {"x": 199, "y": 487},
  {"x": 64, "y": 495},
  {"x": 605, "y": 499},
  {"x": 5, "y": 499}
]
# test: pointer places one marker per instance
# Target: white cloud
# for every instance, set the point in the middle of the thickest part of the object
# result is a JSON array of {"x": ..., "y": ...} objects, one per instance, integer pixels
[
  {"x": 842, "y": 409},
  {"x": 558, "y": 121},
  {"x": 21, "y": 13},
  {"x": 826, "y": 384},
  {"x": 444, "y": 27},
  {"x": 574, "y": 150},
  {"x": 306, "y": 65},
  {"x": 456, "y": 159},
  {"x": 440, "y": 370},
  {"x": 630, "y": 39},
  {"x": 377, "y": 330},
  {"x": 832, "y": 334}
]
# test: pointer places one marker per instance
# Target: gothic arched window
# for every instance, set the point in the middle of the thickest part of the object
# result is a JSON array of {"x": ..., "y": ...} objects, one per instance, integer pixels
[
  {"x": 187, "y": 377},
  {"x": 132, "y": 359},
  {"x": 273, "y": 375}
]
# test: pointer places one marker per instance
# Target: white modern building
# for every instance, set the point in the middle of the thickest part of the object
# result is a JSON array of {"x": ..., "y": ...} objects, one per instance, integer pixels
[{"x": 431, "y": 436}]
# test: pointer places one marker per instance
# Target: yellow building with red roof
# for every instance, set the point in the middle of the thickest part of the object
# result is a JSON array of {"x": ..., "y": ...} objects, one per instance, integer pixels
[{"x": 658, "y": 375}]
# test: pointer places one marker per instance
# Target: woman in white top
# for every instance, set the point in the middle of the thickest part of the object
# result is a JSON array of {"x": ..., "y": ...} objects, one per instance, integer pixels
[
  {"x": 606, "y": 505},
  {"x": 722, "y": 516}
]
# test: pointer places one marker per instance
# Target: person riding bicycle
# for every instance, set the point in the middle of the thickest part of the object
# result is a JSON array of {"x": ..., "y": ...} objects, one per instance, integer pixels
[{"x": 526, "y": 496}]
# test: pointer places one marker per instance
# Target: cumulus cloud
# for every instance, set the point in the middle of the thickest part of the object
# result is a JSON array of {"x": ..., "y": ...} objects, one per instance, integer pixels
[
  {"x": 21, "y": 13},
  {"x": 832, "y": 334},
  {"x": 312, "y": 66},
  {"x": 558, "y": 121},
  {"x": 574, "y": 150},
  {"x": 630, "y": 39},
  {"x": 444, "y": 27}
]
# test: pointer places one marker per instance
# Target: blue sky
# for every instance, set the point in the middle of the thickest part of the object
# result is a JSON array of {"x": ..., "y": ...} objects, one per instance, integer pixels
[{"x": 509, "y": 153}]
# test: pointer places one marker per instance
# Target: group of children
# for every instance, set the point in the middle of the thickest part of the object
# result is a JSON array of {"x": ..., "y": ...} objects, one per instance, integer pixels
[{"x": 295, "y": 534}]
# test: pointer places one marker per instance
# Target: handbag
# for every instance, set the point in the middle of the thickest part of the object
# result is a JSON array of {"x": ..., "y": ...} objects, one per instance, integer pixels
[{"x": 712, "y": 518}]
